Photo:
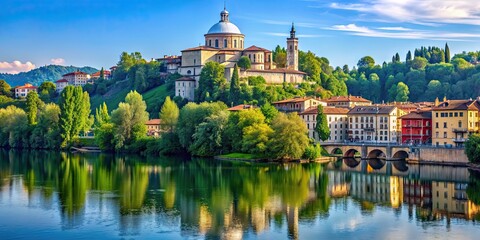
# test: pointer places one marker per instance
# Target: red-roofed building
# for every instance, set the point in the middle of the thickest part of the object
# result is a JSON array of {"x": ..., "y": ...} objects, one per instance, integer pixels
[
  {"x": 416, "y": 128},
  {"x": 154, "y": 127},
  {"x": 172, "y": 63},
  {"x": 297, "y": 104},
  {"x": 337, "y": 123},
  {"x": 260, "y": 58},
  {"x": 22, "y": 91},
  {"x": 61, "y": 84},
  {"x": 347, "y": 101},
  {"x": 107, "y": 75},
  {"x": 77, "y": 78},
  {"x": 241, "y": 107}
]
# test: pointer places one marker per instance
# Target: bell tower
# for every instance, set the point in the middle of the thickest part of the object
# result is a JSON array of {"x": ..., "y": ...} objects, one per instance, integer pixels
[{"x": 292, "y": 50}]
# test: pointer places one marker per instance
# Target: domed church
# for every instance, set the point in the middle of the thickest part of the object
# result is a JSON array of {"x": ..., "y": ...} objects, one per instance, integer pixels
[{"x": 224, "y": 43}]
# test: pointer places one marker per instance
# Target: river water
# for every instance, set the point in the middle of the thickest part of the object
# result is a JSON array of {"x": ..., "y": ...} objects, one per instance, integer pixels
[{"x": 47, "y": 195}]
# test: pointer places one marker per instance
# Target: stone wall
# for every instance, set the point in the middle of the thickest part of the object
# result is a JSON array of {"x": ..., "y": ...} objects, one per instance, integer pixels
[{"x": 439, "y": 155}]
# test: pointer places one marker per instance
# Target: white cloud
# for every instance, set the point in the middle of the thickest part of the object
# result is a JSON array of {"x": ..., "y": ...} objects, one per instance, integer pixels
[
  {"x": 418, "y": 11},
  {"x": 353, "y": 29},
  {"x": 57, "y": 61},
  {"x": 16, "y": 67},
  {"x": 395, "y": 29}
]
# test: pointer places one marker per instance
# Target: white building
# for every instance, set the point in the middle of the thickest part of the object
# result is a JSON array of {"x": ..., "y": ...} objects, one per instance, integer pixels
[
  {"x": 22, "y": 91},
  {"x": 375, "y": 124},
  {"x": 185, "y": 88},
  {"x": 77, "y": 78},
  {"x": 337, "y": 123},
  {"x": 61, "y": 84}
]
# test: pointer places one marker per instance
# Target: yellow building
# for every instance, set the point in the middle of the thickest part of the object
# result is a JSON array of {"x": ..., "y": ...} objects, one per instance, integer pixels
[
  {"x": 451, "y": 198},
  {"x": 453, "y": 121},
  {"x": 375, "y": 124},
  {"x": 337, "y": 123}
]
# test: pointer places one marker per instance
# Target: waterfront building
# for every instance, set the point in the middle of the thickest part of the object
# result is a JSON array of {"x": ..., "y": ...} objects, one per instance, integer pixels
[
  {"x": 77, "y": 78},
  {"x": 347, "y": 101},
  {"x": 337, "y": 123},
  {"x": 224, "y": 43},
  {"x": 376, "y": 124},
  {"x": 22, "y": 91},
  {"x": 453, "y": 121},
  {"x": 416, "y": 128},
  {"x": 154, "y": 127},
  {"x": 61, "y": 84},
  {"x": 297, "y": 104}
]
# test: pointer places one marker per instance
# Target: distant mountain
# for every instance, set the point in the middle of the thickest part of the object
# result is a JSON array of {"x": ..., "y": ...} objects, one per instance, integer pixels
[{"x": 42, "y": 74}]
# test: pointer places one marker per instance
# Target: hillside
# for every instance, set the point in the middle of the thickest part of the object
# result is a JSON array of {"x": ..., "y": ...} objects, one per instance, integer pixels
[{"x": 41, "y": 74}]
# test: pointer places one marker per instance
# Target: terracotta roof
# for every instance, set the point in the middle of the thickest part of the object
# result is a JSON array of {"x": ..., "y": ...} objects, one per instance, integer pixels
[
  {"x": 347, "y": 99},
  {"x": 326, "y": 110},
  {"x": 75, "y": 73},
  {"x": 185, "y": 79},
  {"x": 241, "y": 107},
  {"x": 256, "y": 49},
  {"x": 205, "y": 48},
  {"x": 26, "y": 86},
  {"x": 278, "y": 70},
  {"x": 372, "y": 110},
  {"x": 61, "y": 80},
  {"x": 457, "y": 105},
  {"x": 155, "y": 121},
  {"x": 295, "y": 100},
  {"x": 417, "y": 115},
  {"x": 97, "y": 74}
]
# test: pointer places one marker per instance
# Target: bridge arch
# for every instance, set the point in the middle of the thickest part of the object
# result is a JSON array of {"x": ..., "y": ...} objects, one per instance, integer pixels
[
  {"x": 400, "y": 165},
  {"x": 376, "y": 153},
  {"x": 351, "y": 162},
  {"x": 352, "y": 153},
  {"x": 401, "y": 154}
]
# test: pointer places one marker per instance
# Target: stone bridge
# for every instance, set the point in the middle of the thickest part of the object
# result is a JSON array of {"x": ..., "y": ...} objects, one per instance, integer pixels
[{"x": 368, "y": 150}]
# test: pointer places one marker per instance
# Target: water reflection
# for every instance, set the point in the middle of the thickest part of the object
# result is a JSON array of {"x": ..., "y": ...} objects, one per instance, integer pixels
[{"x": 206, "y": 198}]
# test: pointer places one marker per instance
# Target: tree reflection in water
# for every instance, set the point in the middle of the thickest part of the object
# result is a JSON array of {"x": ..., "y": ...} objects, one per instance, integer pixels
[{"x": 225, "y": 199}]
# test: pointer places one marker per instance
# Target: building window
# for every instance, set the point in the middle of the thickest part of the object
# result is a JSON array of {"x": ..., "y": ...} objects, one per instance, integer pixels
[
  {"x": 225, "y": 43},
  {"x": 235, "y": 43},
  {"x": 461, "y": 114},
  {"x": 216, "y": 43},
  {"x": 436, "y": 114},
  {"x": 456, "y": 114},
  {"x": 436, "y": 125},
  {"x": 444, "y": 124},
  {"x": 210, "y": 42},
  {"x": 459, "y": 124},
  {"x": 444, "y": 134}
]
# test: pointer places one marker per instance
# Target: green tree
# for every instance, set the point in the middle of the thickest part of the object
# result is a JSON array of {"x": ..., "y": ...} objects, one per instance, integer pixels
[
  {"x": 472, "y": 148},
  {"x": 5, "y": 88},
  {"x": 366, "y": 62},
  {"x": 447, "y": 53},
  {"x": 310, "y": 64},
  {"x": 33, "y": 104},
  {"x": 102, "y": 74},
  {"x": 234, "y": 95},
  {"x": 269, "y": 111},
  {"x": 409, "y": 56},
  {"x": 419, "y": 63},
  {"x": 321, "y": 127},
  {"x": 280, "y": 57},
  {"x": 212, "y": 82},
  {"x": 169, "y": 115},
  {"x": 12, "y": 130},
  {"x": 47, "y": 91},
  {"x": 74, "y": 113},
  {"x": 207, "y": 139},
  {"x": 402, "y": 92},
  {"x": 255, "y": 138},
  {"x": 244, "y": 63},
  {"x": 101, "y": 115},
  {"x": 289, "y": 138},
  {"x": 129, "y": 120}
]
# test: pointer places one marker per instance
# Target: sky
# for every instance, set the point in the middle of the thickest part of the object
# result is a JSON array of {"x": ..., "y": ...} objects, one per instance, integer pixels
[{"x": 94, "y": 33}]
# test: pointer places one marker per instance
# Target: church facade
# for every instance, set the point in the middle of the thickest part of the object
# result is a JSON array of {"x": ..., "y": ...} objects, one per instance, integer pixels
[{"x": 224, "y": 43}]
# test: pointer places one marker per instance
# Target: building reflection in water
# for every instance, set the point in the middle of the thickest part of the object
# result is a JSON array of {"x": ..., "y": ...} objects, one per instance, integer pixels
[{"x": 230, "y": 200}]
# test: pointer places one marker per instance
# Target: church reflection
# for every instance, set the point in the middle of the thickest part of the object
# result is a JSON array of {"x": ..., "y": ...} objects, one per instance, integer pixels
[{"x": 201, "y": 197}]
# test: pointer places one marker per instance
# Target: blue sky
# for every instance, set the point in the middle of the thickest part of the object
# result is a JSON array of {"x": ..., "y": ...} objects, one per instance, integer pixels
[{"x": 94, "y": 33}]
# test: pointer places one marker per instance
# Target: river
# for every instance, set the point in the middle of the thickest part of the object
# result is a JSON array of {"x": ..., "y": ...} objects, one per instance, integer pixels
[{"x": 51, "y": 195}]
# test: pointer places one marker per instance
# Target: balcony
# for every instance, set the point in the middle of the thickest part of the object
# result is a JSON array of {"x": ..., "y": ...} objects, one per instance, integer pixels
[
  {"x": 460, "y": 130},
  {"x": 459, "y": 140}
]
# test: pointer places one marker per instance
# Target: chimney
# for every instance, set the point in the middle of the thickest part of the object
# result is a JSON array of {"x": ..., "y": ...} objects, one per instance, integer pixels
[{"x": 437, "y": 102}]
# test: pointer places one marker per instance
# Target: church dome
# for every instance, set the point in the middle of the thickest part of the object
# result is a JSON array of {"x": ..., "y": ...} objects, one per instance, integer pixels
[{"x": 224, "y": 27}]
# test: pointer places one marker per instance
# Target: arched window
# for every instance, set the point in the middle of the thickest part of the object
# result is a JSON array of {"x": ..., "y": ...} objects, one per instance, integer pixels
[
  {"x": 210, "y": 42},
  {"x": 235, "y": 43},
  {"x": 225, "y": 43},
  {"x": 216, "y": 43},
  {"x": 241, "y": 43}
]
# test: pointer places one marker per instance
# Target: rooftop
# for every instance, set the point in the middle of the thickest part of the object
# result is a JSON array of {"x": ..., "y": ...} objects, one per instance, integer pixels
[
  {"x": 326, "y": 110},
  {"x": 154, "y": 121},
  {"x": 185, "y": 79},
  {"x": 203, "y": 48},
  {"x": 241, "y": 107},
  {"x": 61, "y": 80},
  {"x": 418, "y": 115},
  {"x": 295, "y": 100},
  {"x": 372, "y": 110},
  {"x": 348, "y": 98},
  {"x": 256, "y": 49},
  {"x": 224, "y": 26},
  {"x": 75, "y": 73},
  {"x": 458, "y": 105}
]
